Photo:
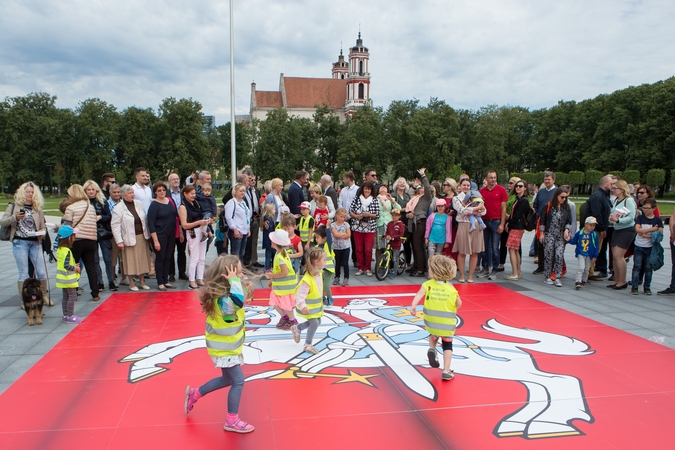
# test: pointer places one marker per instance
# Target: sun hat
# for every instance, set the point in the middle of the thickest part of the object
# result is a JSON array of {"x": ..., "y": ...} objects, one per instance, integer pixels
[
  {"x": 280, "y": 237},
  {"x": 591, "y": 219}
]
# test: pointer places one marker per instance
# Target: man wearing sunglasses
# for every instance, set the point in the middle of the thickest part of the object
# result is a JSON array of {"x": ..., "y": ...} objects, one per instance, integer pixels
[{"x": 599, "y": 207}]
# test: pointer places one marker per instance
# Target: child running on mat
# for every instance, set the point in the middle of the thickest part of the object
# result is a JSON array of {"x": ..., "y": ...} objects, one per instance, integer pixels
[
  {"x": 441, "y": 302},
  {"x": 222, "y": 301},
  {"x": 309, "y": 297},
  {"x": 283, "y": 281}
]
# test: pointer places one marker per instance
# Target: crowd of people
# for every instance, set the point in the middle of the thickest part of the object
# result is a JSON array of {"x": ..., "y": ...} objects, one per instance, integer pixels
[
  {"x": 311, "y": 233},
  {"x": 145, "y": 230}
]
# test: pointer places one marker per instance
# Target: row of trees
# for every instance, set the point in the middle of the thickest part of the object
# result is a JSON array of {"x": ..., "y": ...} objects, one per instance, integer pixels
[{"x": 630, "y": 131}]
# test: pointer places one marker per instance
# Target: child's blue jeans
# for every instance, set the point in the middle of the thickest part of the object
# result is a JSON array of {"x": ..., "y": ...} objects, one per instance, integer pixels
[{"x": 641, "y": 262}]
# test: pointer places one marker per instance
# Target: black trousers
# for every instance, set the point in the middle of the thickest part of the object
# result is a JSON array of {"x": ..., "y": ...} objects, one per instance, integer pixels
[
  {"x": 85, "y": 250},
  {"x": 407, "y": 247},
  {"x": 251, "y": 253},
  {"x": 164, "y": 257},
  {"x": 342, "y": 263},
  {"x": 418, "y": 245},
  {"x": 604, "y": 263},
  {"x": 182, "y": 259}
]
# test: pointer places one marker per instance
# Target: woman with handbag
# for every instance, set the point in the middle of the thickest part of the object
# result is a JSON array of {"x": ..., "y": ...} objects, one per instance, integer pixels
[
  {"x": 80, "y": 214},
  {"x": 23, "y": 224},
  {"x": 162, "y": 218},
  {"x": 103, "y": 232},
  {"x": 515, "y": 227},
  {"x": 130, "y": 230},
  {"x": 622, "y": 216}
]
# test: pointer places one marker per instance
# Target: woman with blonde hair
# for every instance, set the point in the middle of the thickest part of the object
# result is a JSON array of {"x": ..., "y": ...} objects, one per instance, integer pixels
[
  {"x": 80, "y": 214},
  {"x": 26, "y": 223},
  {"x": 276, "y": 197},
  {"x": 622, "y": 216},
  {"x": 103, "y": 232}
]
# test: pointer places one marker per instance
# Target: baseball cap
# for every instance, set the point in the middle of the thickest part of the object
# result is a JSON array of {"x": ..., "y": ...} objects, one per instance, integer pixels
[
  {"x": 305, "y": 205},
  {"x": 591, "y": 219}
]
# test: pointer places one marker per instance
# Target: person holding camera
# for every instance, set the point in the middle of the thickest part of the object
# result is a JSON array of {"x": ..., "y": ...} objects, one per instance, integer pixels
[{"x": 26, "y": 224}]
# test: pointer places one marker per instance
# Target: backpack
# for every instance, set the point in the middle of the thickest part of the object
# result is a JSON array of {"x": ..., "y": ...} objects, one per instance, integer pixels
[
  {"x": 530, "y": 220},
  {"x": 222, "y": 223}
]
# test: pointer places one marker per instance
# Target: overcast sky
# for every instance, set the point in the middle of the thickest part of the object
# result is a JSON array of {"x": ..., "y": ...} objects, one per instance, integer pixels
[{"x": 470, "y": 53}]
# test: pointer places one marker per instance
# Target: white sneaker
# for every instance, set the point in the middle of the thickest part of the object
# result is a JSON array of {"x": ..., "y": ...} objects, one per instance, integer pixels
[
  {"x": 558, "y": 283},
  {"x": 548, "y": 281}
]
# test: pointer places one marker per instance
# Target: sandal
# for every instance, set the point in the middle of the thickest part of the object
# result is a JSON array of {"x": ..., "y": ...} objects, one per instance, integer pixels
[
  {"x": 238, "y": 426},
  {"x": 461, "y": 280},
  {"x": 469, "y": 281}
]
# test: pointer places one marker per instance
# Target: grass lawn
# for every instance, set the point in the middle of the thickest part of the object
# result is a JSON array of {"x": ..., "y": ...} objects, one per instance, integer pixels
[{"x": 51, "y": 206}]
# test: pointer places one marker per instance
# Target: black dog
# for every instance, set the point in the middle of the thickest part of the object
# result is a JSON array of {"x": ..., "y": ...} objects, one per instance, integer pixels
[{"x": 32, "y": 300}]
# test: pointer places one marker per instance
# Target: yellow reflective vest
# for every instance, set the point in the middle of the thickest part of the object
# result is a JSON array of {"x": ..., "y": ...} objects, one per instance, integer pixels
[
  {"x": 287, "y": 284},
  {"x": 314, "y": 299},
  {"x": 65, "y": 279},
  {"x": 225, "y": 338},
  {"x": 330, "y": 258},
  {"x": 303, "y": 227},
  {"x": 440, "y": 308}
]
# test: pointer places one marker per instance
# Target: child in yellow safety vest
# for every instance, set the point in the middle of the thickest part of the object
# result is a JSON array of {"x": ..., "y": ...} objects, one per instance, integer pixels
[
  {"x": 441, "y": 302},
  {"x": 222, "y": 300},
  {"x": 295, "y": 249},
  {"x": 329, "y": 271},
  {"x": 67, "y": 272},
  {"x": 283, "y": 281},
  {"x": 309, "y": 298},
  {"x": 306, "y": 225}
]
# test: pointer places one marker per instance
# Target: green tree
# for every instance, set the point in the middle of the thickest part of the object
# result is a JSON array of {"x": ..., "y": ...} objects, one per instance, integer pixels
[
  {"x": 593, "y": 178},
  {"x": 362, "y": 142},
  {"x": 656, "y": 179},
  {"x": 182, "y": 144},
  {"x": 576, "y": 179},
  {"x": 631, "y": 176},
  {"x": 328, "y": 131},
  {"x": 139, "y": 137}
]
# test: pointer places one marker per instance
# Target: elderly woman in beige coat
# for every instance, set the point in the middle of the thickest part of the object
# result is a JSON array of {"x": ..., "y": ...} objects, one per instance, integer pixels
[
  {"x": 81, "y": 214},
  {"x": 130, "y": 231}
]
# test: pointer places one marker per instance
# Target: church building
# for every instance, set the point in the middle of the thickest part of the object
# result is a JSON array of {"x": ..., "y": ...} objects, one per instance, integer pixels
[{"x": 346, "y": 90}]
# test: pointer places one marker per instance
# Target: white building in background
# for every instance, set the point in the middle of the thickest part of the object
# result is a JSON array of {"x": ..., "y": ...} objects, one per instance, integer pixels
[{"x": 346, "y": 90}]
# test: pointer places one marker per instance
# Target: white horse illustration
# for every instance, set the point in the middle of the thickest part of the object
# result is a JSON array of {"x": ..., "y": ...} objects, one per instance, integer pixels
[{"x": 367, "y": 333}]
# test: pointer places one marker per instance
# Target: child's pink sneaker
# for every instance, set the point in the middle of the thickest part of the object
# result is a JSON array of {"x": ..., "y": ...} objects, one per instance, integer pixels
[
  {"x": 238, "y": 426},
  {"x": 191, "y": 397}
]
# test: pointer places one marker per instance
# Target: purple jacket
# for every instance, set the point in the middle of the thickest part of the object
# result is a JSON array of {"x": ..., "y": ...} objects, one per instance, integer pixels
[{"x": 448, "y": 228}]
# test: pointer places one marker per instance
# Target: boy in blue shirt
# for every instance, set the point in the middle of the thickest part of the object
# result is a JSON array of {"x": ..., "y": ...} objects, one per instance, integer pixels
[
  {"x": 645, "y": 224},
  {"x": 586, "y": 241}
]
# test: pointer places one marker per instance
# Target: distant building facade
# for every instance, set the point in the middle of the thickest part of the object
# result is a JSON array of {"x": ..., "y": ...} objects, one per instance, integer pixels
[{"x": 346, "y": 90}]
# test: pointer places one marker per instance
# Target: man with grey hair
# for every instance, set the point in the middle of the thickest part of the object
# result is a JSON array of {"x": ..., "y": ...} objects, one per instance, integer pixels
[
  {"x": 328, "y": 189},
  {"x": 252, "y": 199},
  {"x": 544, "y": 196},
  {"x": 241, "y": 179}
]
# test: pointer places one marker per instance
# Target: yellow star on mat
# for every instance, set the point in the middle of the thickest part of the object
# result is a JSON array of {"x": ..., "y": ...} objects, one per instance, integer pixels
[{"x": 353, "y": 377}]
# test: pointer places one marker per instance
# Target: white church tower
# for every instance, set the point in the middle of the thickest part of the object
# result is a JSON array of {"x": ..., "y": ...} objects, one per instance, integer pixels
[{"x": 358, "y": 77}]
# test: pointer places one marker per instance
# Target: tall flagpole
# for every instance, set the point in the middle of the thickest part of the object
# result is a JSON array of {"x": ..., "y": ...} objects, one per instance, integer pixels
[{"x": 233, "y": 138}]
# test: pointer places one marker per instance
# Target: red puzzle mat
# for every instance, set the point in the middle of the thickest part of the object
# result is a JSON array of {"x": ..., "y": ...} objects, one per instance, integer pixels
[{"x": 528, "y": 375}]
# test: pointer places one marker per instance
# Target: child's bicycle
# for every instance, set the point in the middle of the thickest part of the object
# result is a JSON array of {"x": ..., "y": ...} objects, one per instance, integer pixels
[{"x": 384, "y": 263}]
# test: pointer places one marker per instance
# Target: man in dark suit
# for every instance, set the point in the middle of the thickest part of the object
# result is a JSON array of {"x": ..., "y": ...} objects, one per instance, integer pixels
[
  {"x": 252, "y": 199},
  {"x": 295, "y": 192},
  {"x": 328, "y": 189}
]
